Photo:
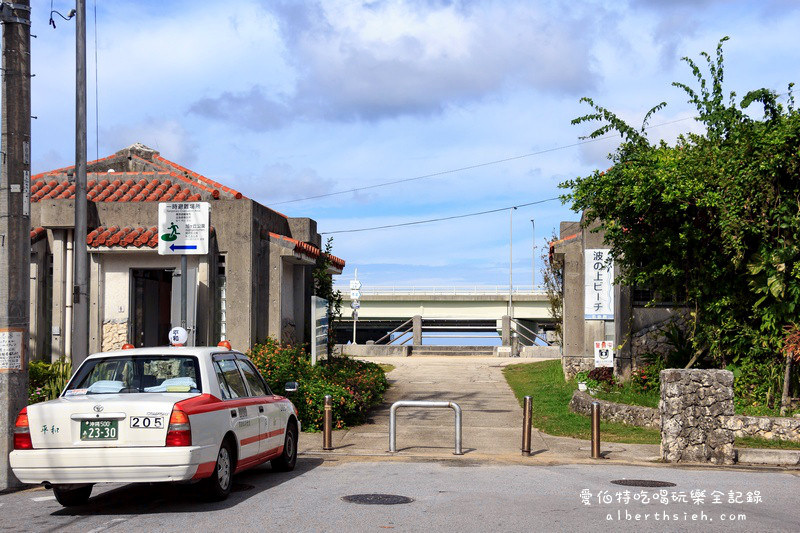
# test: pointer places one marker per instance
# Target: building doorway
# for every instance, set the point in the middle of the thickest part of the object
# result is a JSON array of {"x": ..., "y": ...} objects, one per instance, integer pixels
[{"x": 151, "y": 296}]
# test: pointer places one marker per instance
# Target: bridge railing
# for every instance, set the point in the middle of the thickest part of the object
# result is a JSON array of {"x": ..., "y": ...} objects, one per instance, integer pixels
[{"x": 466, "y": 290}]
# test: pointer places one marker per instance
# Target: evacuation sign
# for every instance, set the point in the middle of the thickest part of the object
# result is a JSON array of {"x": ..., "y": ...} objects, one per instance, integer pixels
[{"x": 183, "y": 228}]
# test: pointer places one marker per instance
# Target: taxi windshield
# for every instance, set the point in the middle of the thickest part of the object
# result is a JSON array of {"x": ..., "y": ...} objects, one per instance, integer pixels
[{"x": 138, "y": 373}]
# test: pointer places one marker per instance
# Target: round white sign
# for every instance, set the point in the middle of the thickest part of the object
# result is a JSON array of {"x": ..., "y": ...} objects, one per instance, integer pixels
[{"x": 178, "y": 335}]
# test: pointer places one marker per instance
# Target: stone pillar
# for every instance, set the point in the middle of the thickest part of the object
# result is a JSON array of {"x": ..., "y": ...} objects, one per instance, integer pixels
[
  {"x": 416, "y": 328},
  {"x": 693, "y": 404},
  {"x": 505, "y": 332}
]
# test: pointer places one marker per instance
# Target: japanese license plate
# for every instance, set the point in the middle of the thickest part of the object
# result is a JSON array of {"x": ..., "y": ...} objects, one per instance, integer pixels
[
  {"x": 98, "y": 430},
  {"x": 147, "y": 422}
]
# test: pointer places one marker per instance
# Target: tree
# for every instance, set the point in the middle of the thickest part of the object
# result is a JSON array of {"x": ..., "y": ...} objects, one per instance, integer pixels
[
  {"x": 714, "y": 220},
  {"x": 323, "y": 288},
  {"x": 553, "y": 281}
]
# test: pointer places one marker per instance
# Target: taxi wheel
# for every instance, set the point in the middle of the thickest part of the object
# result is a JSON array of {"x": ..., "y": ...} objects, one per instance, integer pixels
[
  {"x": 287, "y": 460},
  {"x": 72, "y": 497},
  {"x": 218, "y": 486}
]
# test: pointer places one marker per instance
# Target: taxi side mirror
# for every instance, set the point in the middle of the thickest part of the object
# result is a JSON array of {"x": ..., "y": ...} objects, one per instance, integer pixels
[{"x": 291, "y": 386}]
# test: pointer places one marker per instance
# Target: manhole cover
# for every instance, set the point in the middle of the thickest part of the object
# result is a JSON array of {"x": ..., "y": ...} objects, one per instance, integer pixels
[
  {"x": 642, "y": 483},
  {"x": 377, "y": 499}
]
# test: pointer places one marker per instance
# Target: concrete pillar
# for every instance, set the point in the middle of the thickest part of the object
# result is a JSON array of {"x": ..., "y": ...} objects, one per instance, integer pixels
[
  {"x": 505, "y": 332},
  {"x": 694, "y": 404},
  {"x": 59, "y": 292},
  {"x": 623, "y": 364},
  {"x": 416, "y": 326}
]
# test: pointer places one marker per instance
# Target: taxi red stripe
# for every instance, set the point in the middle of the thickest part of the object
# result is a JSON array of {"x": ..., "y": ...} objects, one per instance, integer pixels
[
  {"x": 256, "y": 438},
  {"x": 205, "y": 470},
  {"x": 258, "y": 459},
  {"x": 206, "y": 403}
]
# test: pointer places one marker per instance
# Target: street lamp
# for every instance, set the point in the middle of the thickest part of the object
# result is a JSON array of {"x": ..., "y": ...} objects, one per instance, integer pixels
[
  {"x": 511, "y": 261},
  {"x": 533, "y": 258}
]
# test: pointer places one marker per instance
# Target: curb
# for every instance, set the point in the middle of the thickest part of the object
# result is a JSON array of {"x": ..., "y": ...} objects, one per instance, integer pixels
[{"x": 762, "y": 456}]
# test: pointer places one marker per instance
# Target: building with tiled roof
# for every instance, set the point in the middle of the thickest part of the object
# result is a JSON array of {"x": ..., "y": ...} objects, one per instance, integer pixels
[{"x": 254, "y": 282}]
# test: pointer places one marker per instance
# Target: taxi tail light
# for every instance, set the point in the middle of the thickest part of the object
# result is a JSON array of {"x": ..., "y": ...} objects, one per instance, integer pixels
[
  {"x": 179, "y": 432},
  {"x": 22, "y": 431}
]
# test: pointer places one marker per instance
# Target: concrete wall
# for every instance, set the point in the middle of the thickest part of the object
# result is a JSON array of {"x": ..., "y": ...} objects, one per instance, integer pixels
[
  {"x": 255, "y": 274},
  {"x": 578, "y": 334}
]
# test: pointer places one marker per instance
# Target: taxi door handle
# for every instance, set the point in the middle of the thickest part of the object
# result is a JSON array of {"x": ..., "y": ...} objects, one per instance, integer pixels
[
  {"x": 234, "y": 413},
  {"x": 260, "y": 408}
]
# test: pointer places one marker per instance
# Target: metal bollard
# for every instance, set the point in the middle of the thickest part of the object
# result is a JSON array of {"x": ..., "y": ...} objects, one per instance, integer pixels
[
  {"x": 596, "y": 430},
  {"x": 527, "y": 411},
  {"x": 327, "y": 428}
]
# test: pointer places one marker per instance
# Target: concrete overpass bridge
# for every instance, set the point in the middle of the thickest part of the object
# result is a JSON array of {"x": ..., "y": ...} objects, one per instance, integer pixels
[{"x": 465, "y": 312}]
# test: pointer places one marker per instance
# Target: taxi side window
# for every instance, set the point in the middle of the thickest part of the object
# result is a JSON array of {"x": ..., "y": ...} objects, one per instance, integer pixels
[
  {"x": 256, "y": 385},
  {"x": 233, "y": 379},
  {"x": 223, "y": 385}
]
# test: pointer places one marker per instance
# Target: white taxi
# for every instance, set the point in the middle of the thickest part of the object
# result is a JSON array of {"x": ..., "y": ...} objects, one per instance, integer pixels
[{"x": 155, "y": 414}]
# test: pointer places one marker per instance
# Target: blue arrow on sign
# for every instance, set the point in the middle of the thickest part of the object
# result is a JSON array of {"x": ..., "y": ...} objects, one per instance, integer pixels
[{"x": 174, "y": 247}]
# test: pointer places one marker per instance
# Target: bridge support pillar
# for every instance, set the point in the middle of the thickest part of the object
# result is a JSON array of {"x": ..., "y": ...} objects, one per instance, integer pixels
[
  {"x": 505, "y": 332},
  {"x": 416, "y": 327}
]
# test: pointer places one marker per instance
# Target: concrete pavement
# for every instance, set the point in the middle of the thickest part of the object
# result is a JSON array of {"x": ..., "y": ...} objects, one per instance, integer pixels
[{"x": 492, "y": 420}]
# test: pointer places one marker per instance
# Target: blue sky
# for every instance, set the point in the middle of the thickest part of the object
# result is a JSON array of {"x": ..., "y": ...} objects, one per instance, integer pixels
[{"x": 284, "y": 100}]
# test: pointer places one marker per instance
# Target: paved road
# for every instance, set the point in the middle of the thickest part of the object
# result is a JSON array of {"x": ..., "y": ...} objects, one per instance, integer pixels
[
  {"x": 448, "y": 496},
  {"x": 492, "y": 418}
]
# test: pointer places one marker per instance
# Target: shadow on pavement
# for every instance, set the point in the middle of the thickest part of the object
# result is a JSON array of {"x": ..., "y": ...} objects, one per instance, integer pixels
[{"x": 154, "y": 498}]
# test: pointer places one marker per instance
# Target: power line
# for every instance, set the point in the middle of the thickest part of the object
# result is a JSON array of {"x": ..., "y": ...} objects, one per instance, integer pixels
[
  {"x": 440, "y": 219},
  {"x": 461, "y": 169}
]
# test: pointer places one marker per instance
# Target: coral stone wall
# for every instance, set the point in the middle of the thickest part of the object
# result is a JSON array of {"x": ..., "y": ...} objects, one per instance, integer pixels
[
  {"x": 653, "y": 340},
  {"x": 764, "y": 427},
  {"x": 115, "y": 334},
  {"x": 633, "y": 415},
  {"x": 693, "y": 406}
]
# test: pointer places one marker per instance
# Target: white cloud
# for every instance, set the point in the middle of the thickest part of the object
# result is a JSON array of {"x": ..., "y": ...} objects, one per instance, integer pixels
[
  {"x": 388, "y": 59},
  {"x": 168, "y": 137}
]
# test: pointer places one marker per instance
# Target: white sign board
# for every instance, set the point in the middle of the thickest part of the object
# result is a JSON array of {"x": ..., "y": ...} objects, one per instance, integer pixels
[
  {"x": 598, "y": 302},
  {"x": 319, "y": 327},
  {"x": 603, "y": 353},
  {"x": 183, "y": 228},
  {"x": 355, "y": 294},
  {"x": 11, "y": 356},
  {"x": 355, "y": 284}
]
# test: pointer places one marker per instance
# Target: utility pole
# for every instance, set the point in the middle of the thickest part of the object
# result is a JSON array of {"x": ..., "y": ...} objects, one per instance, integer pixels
[
  {"x": 533, "y": 258},
  {"x": 15, "y": 223},
  {"x": 511, "y": 261},
  {"x": 80, "y": 297}
]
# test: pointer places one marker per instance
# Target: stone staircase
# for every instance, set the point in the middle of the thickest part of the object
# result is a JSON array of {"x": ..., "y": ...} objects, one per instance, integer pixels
[{"x": 485, "y": 351}]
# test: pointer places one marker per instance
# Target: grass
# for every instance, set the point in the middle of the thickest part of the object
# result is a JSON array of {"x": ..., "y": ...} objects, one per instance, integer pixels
[
  {"x": 544, "y": 381},
  {"x": 386, "y": 367},
  {"x": 754, "y": 442},
  {"x": 629, "y": 395}
]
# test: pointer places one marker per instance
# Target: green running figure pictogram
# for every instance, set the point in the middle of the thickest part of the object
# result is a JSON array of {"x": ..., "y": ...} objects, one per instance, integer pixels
[{"x": 173, "y": 235}]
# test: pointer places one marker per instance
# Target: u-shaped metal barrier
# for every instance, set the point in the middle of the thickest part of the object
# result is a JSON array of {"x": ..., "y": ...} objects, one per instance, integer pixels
[{"x": 416, "y": 403}]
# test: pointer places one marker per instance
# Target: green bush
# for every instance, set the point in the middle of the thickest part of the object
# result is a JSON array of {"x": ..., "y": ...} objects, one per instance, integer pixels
[
  {"x": 47, "y": 380},
  {"x": 757, "y": 381},
  {"x": 648, "y": 377},
  {"x": 355, "y": 386}
]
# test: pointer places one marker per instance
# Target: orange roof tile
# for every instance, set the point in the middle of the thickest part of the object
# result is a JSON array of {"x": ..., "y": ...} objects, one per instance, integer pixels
[
  {"x": 38, "y": 234},
  {"x": 299, "y": 246},
  {"x": 125, "y": 237},
  {"x": 336, "y": 261},
  {"x": 117, "y": 187},
  {"x": 138, "y": 237}
]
